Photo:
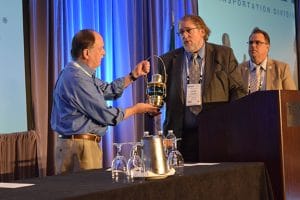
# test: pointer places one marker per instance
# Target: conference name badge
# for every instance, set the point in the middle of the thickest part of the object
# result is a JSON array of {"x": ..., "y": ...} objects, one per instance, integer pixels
[{"x": 193, "y": 95}]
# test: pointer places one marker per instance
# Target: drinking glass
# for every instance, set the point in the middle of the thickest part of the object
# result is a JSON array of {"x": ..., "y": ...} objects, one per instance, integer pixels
[
  {"x": 175, "y": 159},
  {"x": 118, "y": 165},
  {"x": 135, "y": 165}
]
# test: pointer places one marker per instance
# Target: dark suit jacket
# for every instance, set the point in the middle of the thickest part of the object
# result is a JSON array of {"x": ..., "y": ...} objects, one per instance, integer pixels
[
  {"x": 222, "y": 82},
  {"x": 278, "y": 75}
]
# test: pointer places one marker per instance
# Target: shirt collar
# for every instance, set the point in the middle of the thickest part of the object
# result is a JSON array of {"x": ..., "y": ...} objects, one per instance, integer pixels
[
  {"x": 262, "y": 65},
  {"x": 200, "y": 53},
  {"x": 86, "y": 68}
]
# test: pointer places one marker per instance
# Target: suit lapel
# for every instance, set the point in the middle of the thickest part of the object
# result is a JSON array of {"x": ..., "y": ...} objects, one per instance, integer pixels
[
  {"x": 245, "y": 70},
  {"x": 269, "y": 74},
  {"x": 177, "y": 64},
  {"x": 209, "y": 66}
]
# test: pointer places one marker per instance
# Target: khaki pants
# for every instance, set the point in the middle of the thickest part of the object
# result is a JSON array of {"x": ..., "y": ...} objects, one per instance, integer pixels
[{"x": 77, "y": 154}]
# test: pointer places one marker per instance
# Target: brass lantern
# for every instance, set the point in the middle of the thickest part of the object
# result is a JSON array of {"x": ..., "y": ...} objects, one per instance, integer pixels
[{"x": 156, "y": 89}]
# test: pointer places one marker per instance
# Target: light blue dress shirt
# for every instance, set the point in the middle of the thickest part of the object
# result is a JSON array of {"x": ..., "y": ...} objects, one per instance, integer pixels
[{"x": 79, "y": 102}]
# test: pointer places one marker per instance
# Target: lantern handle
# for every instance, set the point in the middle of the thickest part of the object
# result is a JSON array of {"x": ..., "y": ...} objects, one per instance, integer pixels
[{"x": 164, "y": 66}]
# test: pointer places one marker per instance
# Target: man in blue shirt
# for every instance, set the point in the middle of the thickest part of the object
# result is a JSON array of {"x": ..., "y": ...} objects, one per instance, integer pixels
[{"x": 80, "y": 114}]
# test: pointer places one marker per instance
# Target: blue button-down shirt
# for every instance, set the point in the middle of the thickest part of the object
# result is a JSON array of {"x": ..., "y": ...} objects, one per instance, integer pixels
[{"x": 79, "y": 102}]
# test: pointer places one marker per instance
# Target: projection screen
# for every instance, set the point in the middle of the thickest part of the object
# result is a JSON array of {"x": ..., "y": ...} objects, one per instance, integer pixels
[
  {"x": 235, "y": 19},
  {"x": 13, "y": 114}
]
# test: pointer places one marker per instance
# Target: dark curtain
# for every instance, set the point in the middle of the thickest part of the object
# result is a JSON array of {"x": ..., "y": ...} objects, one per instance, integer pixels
[{"x": 18, "y": 156}]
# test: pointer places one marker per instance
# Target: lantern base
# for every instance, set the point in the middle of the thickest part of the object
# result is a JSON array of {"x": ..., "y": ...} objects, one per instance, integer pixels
[{"x": 156, "y": 101}]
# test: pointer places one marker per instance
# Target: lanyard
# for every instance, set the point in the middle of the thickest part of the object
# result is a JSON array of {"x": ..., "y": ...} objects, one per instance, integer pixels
[{"x": 78, "y": 66}]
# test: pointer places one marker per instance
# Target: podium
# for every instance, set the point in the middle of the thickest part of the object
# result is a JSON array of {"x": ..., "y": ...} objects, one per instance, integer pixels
[{"x": 264, "y": 127}]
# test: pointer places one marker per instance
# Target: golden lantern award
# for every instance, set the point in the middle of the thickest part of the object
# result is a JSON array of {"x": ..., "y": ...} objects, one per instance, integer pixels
[{"x": 156, "y": 89}]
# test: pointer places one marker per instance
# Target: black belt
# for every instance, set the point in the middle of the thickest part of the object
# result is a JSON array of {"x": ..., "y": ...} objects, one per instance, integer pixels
[{"x": 85, "y": 136}]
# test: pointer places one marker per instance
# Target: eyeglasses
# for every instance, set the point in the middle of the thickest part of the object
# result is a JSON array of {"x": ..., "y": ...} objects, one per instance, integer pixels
[
  {"x": 188, "y": 30},
  {"x": 256, "y": 42}
]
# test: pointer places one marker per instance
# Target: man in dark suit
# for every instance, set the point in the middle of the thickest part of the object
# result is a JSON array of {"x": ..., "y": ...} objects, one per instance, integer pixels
[
  {"x": 216, "y": 80},
  {"x": 262, "y": 72}
]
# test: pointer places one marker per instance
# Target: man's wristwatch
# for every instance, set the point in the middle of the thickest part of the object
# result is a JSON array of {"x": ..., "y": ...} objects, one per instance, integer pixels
[{"x": 132, "y": 77}]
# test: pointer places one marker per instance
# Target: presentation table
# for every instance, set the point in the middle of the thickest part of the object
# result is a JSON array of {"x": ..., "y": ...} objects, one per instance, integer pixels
[{"x": 202, "y": 181}]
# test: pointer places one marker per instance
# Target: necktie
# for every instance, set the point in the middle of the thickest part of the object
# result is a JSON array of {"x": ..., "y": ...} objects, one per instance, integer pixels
[
  {"x": 194, "y": 79},
  {"x": 254, "y": 80},
  {"x": 195, "y": 70}
]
